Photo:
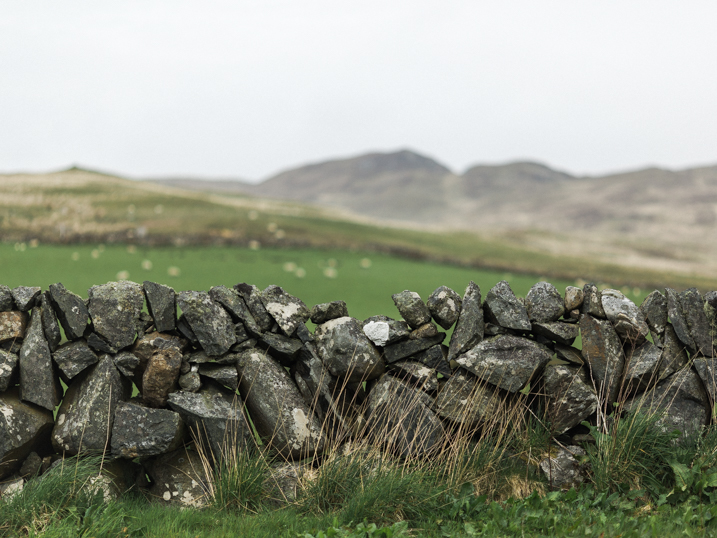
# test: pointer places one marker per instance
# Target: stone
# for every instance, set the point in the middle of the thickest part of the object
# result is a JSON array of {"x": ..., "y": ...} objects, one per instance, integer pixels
[
  {"x": 114, "y": 309},
  {"x": 24, "y": 428},
  {"x": 435, "y": 357},
  {"x": 403, "y": 350},
  {"x": 504, "y": 308},
  {"x": 235, "y": 305},
  {"x": 252, "y": 297},
  {"x": 13, "y": 346},
  {"x": 162, "y": 305},
  {"x": 573, "y": 298},
  {"x": 31, "y": 466},
  {"x": 49, "y": 322},
  {"x": 508, "y": 362},
  {"x": 200, "y": 357},
  {"x": 677, "y": 318},
  {"x": 321, "y": 313},
  {"x": 557, "y": 331},
  {"x": 38, "y": 382},
  {"x": 707, "y": 370},
  {"x": 161, "y": 376},
  {"x": 99, "y": 344},
  {"x": 592, "y": 301},
  {"x": 70, "y": 310},
  {"x": 642, "y": 368},
  {"x": 674, "y": 357},
  {"x": 8, "y": 369},
  {"x": 544, "y": 303},
  {"x": 6, "y": 301},
  {"x": 140, "y": 431},
  {"x": 467, "y": 400},
  {"x": 470, "y": 326},
  {"x": 284, "y": 481},
  {"x": 240, "y": 333},
  {"x": 85, "y": 418},
  {"x": 281, "y": 347},
  {"x": 11, "y": 487},
  {"x": 12, "y": 325},
  {"x": 628, "y": 321},
  {"x": 679, "y": 402},
  {"x": 428, "y": 330},
  {"x": 73, "y": 357},
  {"x": 186, "y": 331},
  {"x": 210, "y": 322},
  {"x": 654, "y": 310},
  {"x": 216, "y": 420},
  {"x": 562, "y": 468},
  {"x": 602, "y": 351},
  {"x": 571, "y": 396},
  {"x": 693, "y": 309},
  {"x": 400, "y": 418},
  {"x": 287, "y": 310},
  {"x": 415, "y": 374},
  {"x": 569, "y": 354},
  {"x": 303, "y": 333},
  {"x": 346, "y": 351},
  {"x": 224, "y": 374},
  {"x": 383, "y": 331},
  {"x": 146, "y": 346},
  {"x": 711, "y": 298},
  {"x": 444, "y": 304},
  {"x": 190, "y": 382},
  {"x": 126, "y": 363},
  {"x": 179, "y": 479},
  {"x": 412, "y": 308},
  {"x": 25, "y": 297},
  {"x": 278, "y": 411}
]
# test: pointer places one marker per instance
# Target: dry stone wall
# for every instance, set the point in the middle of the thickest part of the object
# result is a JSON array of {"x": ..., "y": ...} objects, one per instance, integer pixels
[{"x": 241, "y": 362}]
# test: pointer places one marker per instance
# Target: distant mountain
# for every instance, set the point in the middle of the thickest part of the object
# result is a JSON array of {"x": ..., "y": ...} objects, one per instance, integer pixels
[{"x": 219, "y": 186}]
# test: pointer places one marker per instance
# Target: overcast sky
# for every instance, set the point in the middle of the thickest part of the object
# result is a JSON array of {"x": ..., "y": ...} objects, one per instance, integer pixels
[{"x": 245, "y": 89}]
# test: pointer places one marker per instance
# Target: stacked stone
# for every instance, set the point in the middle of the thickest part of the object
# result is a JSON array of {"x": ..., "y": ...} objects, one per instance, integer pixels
[{"x": 242, "y": 352}]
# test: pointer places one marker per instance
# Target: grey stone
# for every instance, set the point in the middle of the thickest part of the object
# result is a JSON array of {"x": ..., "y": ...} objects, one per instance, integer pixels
[
  {"x": 146, "y": 346},
  {"x": 674, "y": 357},
  {"x": 162, "y": 305},
  {"x": 49, "y": 322},
  {"x": 407, "y": 348},
  {"x": 707, "y": 370},
  {"x": 400, "y": 418},
  {"x": 126, "y": 363},
  {"x": 281, "y": 347},
  {"x": 287, "y": 310},
  {"x": 225, "y": 374},
  {"x": 6, "y": 300},
  {"x": 252, "y": 297},
  {"x": 654, "y": 309},
  {"x": 99, "y": 344},
  {"x": 412, "y": 308},
  {"x": 569, "y": 354},
  {"x": 139, "y": 431},
  {"x": 8, "y": 369},
  {"x": 509, "y": 362},
  {"x": 592, "y": 301},
  {"x": 85, "y": 418},
  {"x": 190, "y": 382},
  {"x": 216, "y": 419},
  {"x": 321, "y": 313},
  {"x": 179, "y": 479},
  {"x": 557, "y": 331},
  {"x": 642, "y": 367},
  {"x": 544, "y": 303},
  {"x": 25, "y": 297},
  {"x": 73, "y": 357},
  {"x": 627, "y": 319},
  {"x": 693, "y": 309},
  {"x": 444, "y": 304},
  {"x": 429, "y": 330},
  {"x": 504, "y": 308},
  {"x": 435, "y": 357},
  {"x": 70, "y": 310},
  {"x": 303, "y": 333},
  {"x": 278, "y": 410},
  {"x": 602, "y": 351},
  {"x": 415, "y": 374},
  {"x": 13, "y": 346},
  {"x": 12, "y": 325},
  {"x": 114, "y": 309},
  {"x": 571, "y": 396},
  {"x": 200, "y": 357},
  {"x": 679, "y": 323},
  {"x": 210, "y": 322},
  {"x": 24, "y": 428},
  {"x": 346, "y": 351},
  {"x": 383, "y": 331},
  {"x": 38, "y": 382},
  {"x": 235, "y": 305},
  {"x": 161, "y": 376},
  {"x": 711, "y": 298},
  {"x": 186, "y": 331},
  {"x": 562, "y": 468},
  {"x": 467, "y": 400},
  {"x": 31, "y": 466},
  {"x": 573, "y": 298},
  {"x": 470, "y": 327}
]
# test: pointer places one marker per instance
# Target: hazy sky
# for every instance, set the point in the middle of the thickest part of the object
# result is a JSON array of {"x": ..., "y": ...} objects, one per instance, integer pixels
[{"x": 245, "y": 89}]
